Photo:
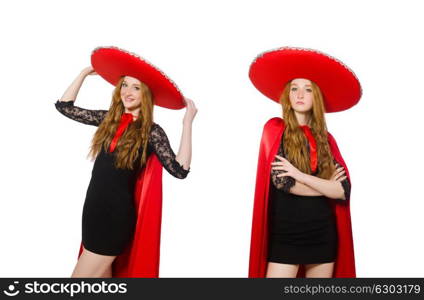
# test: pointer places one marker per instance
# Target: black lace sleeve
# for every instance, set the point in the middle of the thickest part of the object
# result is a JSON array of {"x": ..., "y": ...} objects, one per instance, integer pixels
[
  {"x": 282, "y": 183},
  {"x": 159, "y": 143},
  {"x": 345, "y": 184},
  {"x": 86, "y": 116}
]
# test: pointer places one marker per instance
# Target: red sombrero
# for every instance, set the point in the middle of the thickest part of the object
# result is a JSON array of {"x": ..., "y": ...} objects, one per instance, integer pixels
[
  {"x": 112, "y": 63},
  {"x": 271, "y": 70}
]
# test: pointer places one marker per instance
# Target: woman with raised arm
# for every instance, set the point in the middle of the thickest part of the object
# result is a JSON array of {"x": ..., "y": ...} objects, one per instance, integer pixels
[
  {"x": 122, "y": 210},
  {"x": 301, "y": 218}
]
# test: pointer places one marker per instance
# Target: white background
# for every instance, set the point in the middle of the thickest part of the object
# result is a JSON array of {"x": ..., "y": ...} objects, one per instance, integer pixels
[{"x": 206, "y": 48}]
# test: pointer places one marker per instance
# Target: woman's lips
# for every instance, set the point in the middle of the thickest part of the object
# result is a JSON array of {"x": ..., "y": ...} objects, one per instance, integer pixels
[{"x": 299, "y": 102}]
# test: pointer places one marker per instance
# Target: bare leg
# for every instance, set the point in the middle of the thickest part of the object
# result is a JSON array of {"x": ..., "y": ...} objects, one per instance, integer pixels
[
  {"x": 276, "y": 270},
  {"x": 107, "y": 273},
  {"x": 91, "y": 264},
  {"x": 324, "y": 270}
]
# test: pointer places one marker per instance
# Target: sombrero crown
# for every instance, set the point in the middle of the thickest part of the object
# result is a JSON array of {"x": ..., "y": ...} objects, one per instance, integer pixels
[
  {"x": 272, "y": 70},
  {"x": 112, "y": 63}
]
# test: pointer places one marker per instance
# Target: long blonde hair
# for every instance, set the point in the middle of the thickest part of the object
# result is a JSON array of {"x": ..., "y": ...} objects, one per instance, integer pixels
[
  {"x": 294, "y": 140},
  {"x": 134, "y": 137}
]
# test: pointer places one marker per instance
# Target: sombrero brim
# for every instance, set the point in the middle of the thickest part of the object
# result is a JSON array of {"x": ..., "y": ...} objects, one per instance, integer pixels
[
  {"x": 112, "y": 63},
  {"x": 272, "y": 70}
]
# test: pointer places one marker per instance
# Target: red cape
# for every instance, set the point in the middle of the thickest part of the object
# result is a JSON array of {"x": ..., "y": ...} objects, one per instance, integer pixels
[
  {"x": 345, "y": 261},
  {"x": 141, "y": 257}
]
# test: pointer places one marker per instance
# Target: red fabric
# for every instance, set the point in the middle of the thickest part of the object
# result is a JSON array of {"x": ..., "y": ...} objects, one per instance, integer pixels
[
  {"x": 312, "y": 147},
  {"x": 112, "y": 63},
  {"x": 345, "y": 261},
  {"x": 141, "y": 258},
  {"x": 126, "y": 119},
  {"x": 271, "y": 70}
]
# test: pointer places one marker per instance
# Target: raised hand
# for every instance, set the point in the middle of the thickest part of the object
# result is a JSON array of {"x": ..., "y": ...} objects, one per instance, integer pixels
[
  {"x": 88, "y": 71},
  {"x": 190, "y": 113}
]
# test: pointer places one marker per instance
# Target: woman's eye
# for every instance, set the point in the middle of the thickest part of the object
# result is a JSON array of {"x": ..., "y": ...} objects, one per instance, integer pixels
[
  {"x": 124, "y": 84},
  {"x": 293, "y": 89},
  {"x": 309, "y": 90},
  {"x": 137, "y": 88}
]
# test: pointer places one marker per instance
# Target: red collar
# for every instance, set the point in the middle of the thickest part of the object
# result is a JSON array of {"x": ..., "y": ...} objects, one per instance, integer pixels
[
  {"x": 126, "y": 119},
  {"x": 312, "y": 147}
]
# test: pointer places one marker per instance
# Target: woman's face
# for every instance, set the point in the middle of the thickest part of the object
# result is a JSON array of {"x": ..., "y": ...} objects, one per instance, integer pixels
[
  {"x": 131, "y": 93},
  {"x": 301, "y": 96}
]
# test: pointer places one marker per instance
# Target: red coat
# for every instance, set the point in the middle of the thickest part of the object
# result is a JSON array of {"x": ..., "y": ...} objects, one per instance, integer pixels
[{"x": 270, "y": 142}]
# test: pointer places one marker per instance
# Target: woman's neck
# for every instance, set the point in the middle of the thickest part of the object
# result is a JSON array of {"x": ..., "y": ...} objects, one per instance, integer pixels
[
  {"x": 134, "y": 112},
  {"x": 303, "y": 118}
]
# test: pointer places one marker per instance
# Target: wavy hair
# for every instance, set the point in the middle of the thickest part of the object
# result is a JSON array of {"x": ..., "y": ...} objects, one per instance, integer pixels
[
  {"x": 295, "y": 141},
  {"x": 134, "y": 138}
]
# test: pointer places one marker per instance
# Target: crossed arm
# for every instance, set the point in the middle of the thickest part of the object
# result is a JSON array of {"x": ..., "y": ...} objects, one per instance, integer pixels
[{"x": 287, "y": 177}]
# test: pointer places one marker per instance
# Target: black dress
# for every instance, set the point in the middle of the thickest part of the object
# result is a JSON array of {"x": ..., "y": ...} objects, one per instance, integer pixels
[
  {"x": 302, "y": 228},
  {"x": 108, "y": 219}
]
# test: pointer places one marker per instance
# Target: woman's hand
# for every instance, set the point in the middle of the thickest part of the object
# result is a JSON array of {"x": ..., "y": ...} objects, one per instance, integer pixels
[
  {"x": 190, "y": 113},
  {"x": 330, "y": 188},
  {"x": 338, "y": 175},
  {"x": 71, "y": 92},
  {"x": 290, "y": 170},
  {"x": 88, "y": 71},
  {"x": 184, "y": 153}
]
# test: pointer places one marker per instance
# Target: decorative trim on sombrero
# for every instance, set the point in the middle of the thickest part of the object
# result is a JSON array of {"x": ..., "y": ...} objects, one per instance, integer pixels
[
  {"x": 141, "y": 58},
  {"x": 112, "y": 63},
  {"x": 272, "y": 69},
  {"x": 309, "y": 50}
]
